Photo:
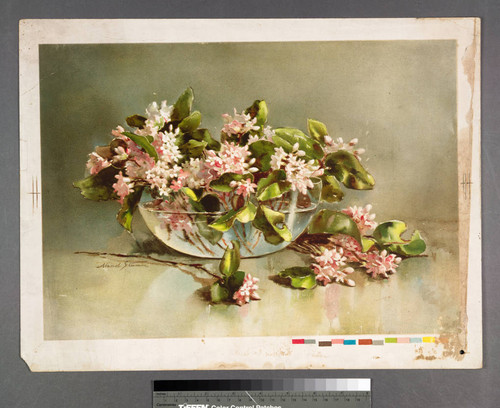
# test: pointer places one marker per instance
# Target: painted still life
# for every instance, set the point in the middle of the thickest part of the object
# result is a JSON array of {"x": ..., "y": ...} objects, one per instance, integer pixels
[{"x": 250, "y": 194}]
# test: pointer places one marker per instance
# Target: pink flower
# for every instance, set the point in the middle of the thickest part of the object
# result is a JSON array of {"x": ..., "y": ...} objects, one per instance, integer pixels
[
  {"x": 122, "y": 187},
  {"x": 244, "y": 187},
  {"x": 176, "y": 185},
  {"x": 178, "y": 222},
  {"x": 194, "y": 174},
  {"x": 138, "y": 164},
  {"x": 381, "y": 264},
  {"x": 332, "y": 146},
  {"x": 118, "y": 133},
  {"x": 230, "y": 159},
  {"x": 352, "y": 249},
  {"x": 238, "y": 124},
  {"x": 362, "y": 217},
  {"x": 96, "y": 163},
  {"x": 329, "y": 267},
  {"x": 247, "y": 291}
]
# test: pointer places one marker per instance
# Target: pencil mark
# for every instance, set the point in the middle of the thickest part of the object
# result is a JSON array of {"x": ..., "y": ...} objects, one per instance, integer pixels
[
  {"x": 466, "y": 185},
  {"x": 35, "y": 193}
]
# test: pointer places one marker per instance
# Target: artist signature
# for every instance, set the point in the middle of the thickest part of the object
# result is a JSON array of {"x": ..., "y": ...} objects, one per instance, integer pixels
[{"x": 121, "y": 265}]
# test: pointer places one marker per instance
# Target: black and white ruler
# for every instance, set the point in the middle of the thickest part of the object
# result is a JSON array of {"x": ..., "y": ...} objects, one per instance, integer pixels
[{"x": 284, "y": 393}]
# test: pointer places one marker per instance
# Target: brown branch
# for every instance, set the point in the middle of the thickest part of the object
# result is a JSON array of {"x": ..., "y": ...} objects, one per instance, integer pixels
[{"x": 178, "y": 265}]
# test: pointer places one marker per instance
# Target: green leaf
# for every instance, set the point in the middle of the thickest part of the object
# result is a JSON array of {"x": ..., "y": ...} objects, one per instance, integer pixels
[
  {"x": 182, "y": 107},
  {"x": 258, "y": 110},
  {"x": 191, "y": 194},
  {"x": 230, "y": 263},
  {"x": 99, "y": 187},
  {"x": 262, "y": 150},
  {"x": 218, "y": 293},
  {"x": 330, "y": 189},
  {"x": 389, "y": 234},
  {"x": 203, "y": 135},
  {"x": 193, "y": 148},
  {"x": 247, "y": 213},
  {"x": 202, "y": 223},
  {"x": 317, "y": 130},
  {"x": 414, "y": 247},
  {"x": 129, "y": 205},
  {"x": 348, "y": 170},
  {"x": 225, "y": 222},
  {"x": 272, "y": 224},
  {"x": 223, "y": 183},
  {"x": 244, "y": 214},
  {"x": 191, "y": 122},
  {"x": 137, "y": 121},
  {"x": 143, "y": 142},
  {"x": 367, "y": 244},
  {"x": 287, "y": 137},
  {"x": 210, "y": 203},
  {"x": 301, "y": 277},
  {"x": 235, "y": 281},
  {"x": 273, "y": 186},
  {"x": 334, "y": 222}
]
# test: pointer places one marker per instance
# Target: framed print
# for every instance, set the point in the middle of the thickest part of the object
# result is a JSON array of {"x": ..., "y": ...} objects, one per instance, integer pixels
[{"x": 250, "y": 194}]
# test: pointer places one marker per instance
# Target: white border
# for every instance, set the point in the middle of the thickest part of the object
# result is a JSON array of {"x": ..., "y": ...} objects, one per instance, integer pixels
[{"x": 245, "y": 352}]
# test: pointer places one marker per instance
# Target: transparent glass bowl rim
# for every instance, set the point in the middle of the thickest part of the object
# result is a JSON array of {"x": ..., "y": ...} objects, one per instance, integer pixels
[{"x": 144, "y": 205}]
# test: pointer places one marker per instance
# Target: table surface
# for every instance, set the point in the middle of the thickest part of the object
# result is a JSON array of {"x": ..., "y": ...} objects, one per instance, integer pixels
[{"x": 103, "y": 296}]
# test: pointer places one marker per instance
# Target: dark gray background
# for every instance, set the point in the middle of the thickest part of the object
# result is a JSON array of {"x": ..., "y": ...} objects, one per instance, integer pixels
[{"x": 391, "y": 388}]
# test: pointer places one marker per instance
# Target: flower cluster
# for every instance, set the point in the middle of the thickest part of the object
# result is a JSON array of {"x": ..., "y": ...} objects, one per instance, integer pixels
[
  {"x": 333, "y": 146},
  {"x": 362, "y": 217},
  {"x": 329, "y": 267},
  {"x": 247, "y": 291},
  {"x": 230, "y": 159},
  {"x": 166, "y": 152},
  {"x": 239, "y": 124},
  {"x": 381, "y": 264},
  {"x": 298, "y": 171}
]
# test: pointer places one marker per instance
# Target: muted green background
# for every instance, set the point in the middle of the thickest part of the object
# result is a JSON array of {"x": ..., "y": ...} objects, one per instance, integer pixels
[{"x": 398, "y": 98}]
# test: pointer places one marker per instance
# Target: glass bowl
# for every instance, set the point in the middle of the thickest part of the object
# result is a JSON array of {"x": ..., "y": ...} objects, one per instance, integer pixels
[{"x": 188, "y": 232}]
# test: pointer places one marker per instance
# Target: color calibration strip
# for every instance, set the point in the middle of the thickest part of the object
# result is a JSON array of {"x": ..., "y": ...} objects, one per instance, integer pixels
[
  {"x": 287, "y": 384},
  {"x": 371, "y": 342}
]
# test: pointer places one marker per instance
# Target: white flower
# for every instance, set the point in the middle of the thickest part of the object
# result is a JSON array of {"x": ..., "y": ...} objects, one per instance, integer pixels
[
  {"x": 332, "y": 146},
  {"x": 121, "y": 154},
  {"x": 298, "y": 171},
  {"x": 192, "y": 174},
  {"x": 161, "y": 176},
  {"x": 165, "y": 145},
  {"x": 156, "y": 117}
]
